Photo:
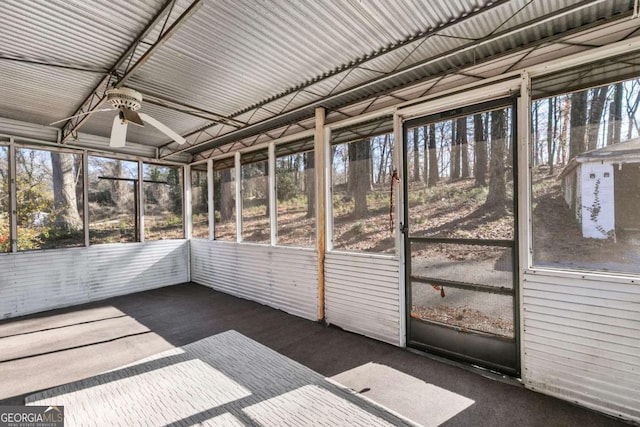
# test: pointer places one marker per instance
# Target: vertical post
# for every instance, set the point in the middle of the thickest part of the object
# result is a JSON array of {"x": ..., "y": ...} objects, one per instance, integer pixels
[
  {"x": 398, "y": 213},
  {"x": 187, "y": 206},
  {"x": 321, "y": 215},
  {"x": 524, "y": 201},
  {"x": 273, "y": 213},
  {"x": 328, "y": 199},
  {"x": 85, "y": 196},
  {"x": 140, "y": 204},
  {"x": 238, "y": 169},
  {"x": 210, "y": 195},
  {"x": 13, "y": 209}
]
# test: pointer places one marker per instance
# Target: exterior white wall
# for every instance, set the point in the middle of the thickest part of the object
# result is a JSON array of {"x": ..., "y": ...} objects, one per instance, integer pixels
[
  {"x": 281, "y": 277},
  {"x": 582, "y": 339},
  {"x": 362, "y": 294},
  {"x": 604, "y": 224},
  {"x": 43, "y": 280},
  {"x": 567, "y": 188}
]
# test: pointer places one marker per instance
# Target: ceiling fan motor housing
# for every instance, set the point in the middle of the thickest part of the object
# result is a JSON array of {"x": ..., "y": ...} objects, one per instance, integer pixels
[{"x": 124, "y": 97}]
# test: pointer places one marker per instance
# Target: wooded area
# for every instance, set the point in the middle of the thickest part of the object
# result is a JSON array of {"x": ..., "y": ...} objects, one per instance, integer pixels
[{"x": 463, "y": 159}]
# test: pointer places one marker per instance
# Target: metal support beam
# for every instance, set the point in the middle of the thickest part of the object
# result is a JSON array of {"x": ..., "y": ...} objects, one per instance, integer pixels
[
  {"x": 273, "y": 208},
  {"x": 187, "y": 209},
  {"x": 13, "y": 209},
  {"x": 238, "y": 171},
  {"x": 97, "y": 96},
  {"x": 321, "y": 218},
  {"x": 525, "y": 221},
  {"x": 397, "y": 162},
  {"x": 140, "y": 190},
  {"x": 210, "y": 204},
  {"x": 85, "y": 197}
]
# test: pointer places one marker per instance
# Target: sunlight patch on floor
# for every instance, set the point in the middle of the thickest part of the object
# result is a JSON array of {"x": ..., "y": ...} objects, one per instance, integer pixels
[
  {"x": 224, "y": 379},
  {"x": 306, "y": 404},
  {"x": 423, "y": 403}
]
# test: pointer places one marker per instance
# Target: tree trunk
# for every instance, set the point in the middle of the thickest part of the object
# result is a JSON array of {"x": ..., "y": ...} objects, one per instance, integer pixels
[
  {"x": 359, "y": 155},
  {"x": 632, "y": 108},
  {"x": 551, "y": 134},
  {"x": 599, "y": 96},
  {"x": 496, "y": 199},
  {"x": 578, "y": 118},
  {"x": 480, "y": 151},
  {"x": 564, "y": 117},
  {"x": 463, "y": 143},
  {"x": 416, "y": 156},
  {"x": 454, "y": 167},
  {"x": 615, "y": 116},
  {"x": 64, "y": 191},
  {"x": 118, "y": 187},
  {"x": 425, "y": 150},
  {"x": 310, "y": 183},
  {"x": 434, "y": 172},
  {"x": 227, "y": 196}
]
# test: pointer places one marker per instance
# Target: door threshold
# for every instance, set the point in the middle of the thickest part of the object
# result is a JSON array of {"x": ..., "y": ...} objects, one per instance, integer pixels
[{"x": 485, "y": 372}]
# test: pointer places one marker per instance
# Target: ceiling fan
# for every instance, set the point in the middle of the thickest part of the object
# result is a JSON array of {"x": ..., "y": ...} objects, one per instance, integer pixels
[{"x": 127, "y": 101}]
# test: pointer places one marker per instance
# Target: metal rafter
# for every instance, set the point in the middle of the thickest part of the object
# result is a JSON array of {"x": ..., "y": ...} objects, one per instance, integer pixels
[
  {"x": 355, "y": 64},
  {"x": 191, "y": 109},
  {"x": 97, "y": 96},
  {"x": 299, "y": 112}
]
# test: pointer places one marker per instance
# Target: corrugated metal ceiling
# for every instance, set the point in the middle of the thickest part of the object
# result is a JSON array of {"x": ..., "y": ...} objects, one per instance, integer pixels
[{"x": 268, "y": 63}]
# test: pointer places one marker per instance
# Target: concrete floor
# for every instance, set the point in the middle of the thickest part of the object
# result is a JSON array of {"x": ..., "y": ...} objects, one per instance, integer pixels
[{"x": 57, "y": 347}]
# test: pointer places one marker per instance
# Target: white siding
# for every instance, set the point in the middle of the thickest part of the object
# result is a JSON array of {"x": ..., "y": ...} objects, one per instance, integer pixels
[
  {"x": 282, "y": 277},
  {"x": 582, "y": 340},
  {"x": 42, "y": 280},
  {"x": 597, "y": 207},
  {"x": 362, "y": 295}
]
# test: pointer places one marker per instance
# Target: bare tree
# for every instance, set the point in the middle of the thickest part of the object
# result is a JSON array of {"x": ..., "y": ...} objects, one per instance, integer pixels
[
  {"x": 632, "y": 108},
  {"x": 434, "y": 172},
  {"x": 425, "y": 165},
  {"x": 359, "y": 174},
  {"x": 578, "y": 117},
  {"x": 480, "y": 151},
  {"x": 463, "y": 145},
  {"x": 615, "y": 116},
  {"x": 227, "y": 201},
  {"x": 496, "y": 199},
  {"x": 552, "y": 127},
  {"x": 119, "y": 193},
  {"x": 598, "y": 98},
  {"x": 454, "y": 159},
  {"x": 310, "y": 182},
  {"x": 416, "y": 156},
  {"x": 64, "y": 191},
  {"x": 563, "y": 117}
]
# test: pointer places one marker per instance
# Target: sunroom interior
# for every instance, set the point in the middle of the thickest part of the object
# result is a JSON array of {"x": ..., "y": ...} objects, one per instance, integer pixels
[{"x": 406, "y": 171}]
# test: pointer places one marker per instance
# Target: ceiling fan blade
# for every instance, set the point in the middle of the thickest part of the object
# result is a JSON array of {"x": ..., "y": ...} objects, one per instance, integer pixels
[
  {"x": 163, "y": 128},
  {"x": 118, "y": 133},
  {"x": 80, "y": 115},
  {"x": 131, "y": 116}
]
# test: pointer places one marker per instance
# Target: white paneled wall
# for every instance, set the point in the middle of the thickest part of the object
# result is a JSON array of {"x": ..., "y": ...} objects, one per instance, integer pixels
[
  {"x": 362, "y": 295},
  {"x": 42, "y": 280},
  {"x": 582, "y": 339},
  {"x": 282, "y": 277}
]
